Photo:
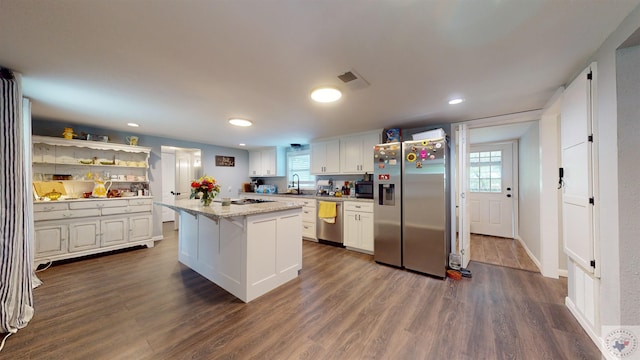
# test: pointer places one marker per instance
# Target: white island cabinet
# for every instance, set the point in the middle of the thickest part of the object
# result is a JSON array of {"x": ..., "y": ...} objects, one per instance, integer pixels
[{"x": 248, "y": 250}]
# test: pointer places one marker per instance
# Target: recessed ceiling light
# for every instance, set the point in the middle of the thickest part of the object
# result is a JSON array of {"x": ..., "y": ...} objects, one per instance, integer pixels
[
  {"x": 133, "y": 125},
  {"x": 455, "y": 101},
  {"x": 242, "y": 144},
  {"x": 326, "y": 95},
  {"x": 240, "y": 122}
]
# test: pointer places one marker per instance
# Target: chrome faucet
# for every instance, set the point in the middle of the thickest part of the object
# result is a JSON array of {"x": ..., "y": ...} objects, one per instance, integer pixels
[{"x": 293, "y": 182}]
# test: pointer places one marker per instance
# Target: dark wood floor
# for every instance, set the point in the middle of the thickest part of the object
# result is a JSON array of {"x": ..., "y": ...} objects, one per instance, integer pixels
[
  {"x": 143, "y": 304},
  {"x": 501, "y": 251}
]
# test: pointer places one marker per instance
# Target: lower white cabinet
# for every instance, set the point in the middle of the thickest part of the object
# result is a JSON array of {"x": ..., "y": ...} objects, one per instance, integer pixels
[
  {"x": 358, "y": 226},
  {"x": 78, "y": 228},
  {"x": 84, "y": 235},
  {"x": 309, "y": 219}
]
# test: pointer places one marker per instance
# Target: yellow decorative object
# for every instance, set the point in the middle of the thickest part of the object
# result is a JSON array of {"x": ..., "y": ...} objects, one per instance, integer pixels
[
  {"x": 99, "y": 188},
  {"x": 68, "y": 133}
]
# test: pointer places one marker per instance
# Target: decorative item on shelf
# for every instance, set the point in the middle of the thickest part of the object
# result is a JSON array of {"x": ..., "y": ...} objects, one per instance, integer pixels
[
  {"x": 132, "y": 140},
  {"x": 100, "y": 187},
  {"x": 68, "y": 133},
  {"x": 207, "y": 186}
]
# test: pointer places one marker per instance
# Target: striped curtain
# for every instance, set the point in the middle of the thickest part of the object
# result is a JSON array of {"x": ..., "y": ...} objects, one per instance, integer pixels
[{"x": 16, "y": 293}]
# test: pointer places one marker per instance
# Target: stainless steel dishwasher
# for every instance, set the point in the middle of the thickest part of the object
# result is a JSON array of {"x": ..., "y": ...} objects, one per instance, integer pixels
[{"x": 331, "y": 233}]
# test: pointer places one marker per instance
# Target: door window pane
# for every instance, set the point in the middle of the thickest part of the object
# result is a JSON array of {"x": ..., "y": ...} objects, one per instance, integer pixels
[{"x": 485, "y": 173}]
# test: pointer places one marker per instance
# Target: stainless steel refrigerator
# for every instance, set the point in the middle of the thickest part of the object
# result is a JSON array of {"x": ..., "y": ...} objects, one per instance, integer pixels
[{"x": 412, "y": 206}]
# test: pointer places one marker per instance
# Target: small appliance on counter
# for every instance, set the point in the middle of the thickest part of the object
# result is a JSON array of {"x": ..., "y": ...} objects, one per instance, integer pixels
[
  {"x": 364, "y": 189},
  {"x": 324, "y": 187}
]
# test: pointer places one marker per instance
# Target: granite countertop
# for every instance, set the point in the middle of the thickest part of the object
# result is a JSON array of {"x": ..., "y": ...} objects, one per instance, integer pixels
[
  {"x": 216, "y": 210},
  {"x": 310, "y": 196}
]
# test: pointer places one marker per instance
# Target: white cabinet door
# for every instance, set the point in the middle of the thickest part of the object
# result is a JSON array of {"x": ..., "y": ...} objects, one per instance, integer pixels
[
  {"x": 325, "y": 157},
  {"x": 368, "y": 142},
  {"x": 50, "y": 240},
  {"x": 269, "y": 162},
  {"x": 318, "y": 157},
  {"x": 365, "y": 221},
  {"x": 114, "y": 231},
  {"x": 356, "y": 152},
  {"x": 139, "y": 227},
  {"x": 351, "y": 229},
  {"x": 84, "y": 235},
  {"x": 332, "y": 157},
  {"x": 255, "y": 163},
  {"x": 351, "y": 154}
]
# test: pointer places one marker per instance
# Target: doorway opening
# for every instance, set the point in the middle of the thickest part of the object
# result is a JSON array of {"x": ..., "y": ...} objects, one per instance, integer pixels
[
  {"x": 489, "y": 202},
  {"x": 179, "y": 167}
]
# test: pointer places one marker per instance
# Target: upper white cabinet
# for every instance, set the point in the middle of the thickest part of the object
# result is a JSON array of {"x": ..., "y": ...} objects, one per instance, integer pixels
[
  {"x": 356, "y": 152},
  {"x": 325, "y": 157},
  {"x": 267, "y": 162}
]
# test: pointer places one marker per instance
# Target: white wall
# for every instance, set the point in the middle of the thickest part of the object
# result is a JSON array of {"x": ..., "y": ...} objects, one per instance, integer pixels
[
  {"x": 628, "y": 88},
  {"x": 529, "y": 190},
  {"x": 608, "y": 301}
]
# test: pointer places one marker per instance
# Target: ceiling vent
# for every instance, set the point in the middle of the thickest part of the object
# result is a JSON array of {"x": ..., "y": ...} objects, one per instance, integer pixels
[{"x": 353, "y": 80}]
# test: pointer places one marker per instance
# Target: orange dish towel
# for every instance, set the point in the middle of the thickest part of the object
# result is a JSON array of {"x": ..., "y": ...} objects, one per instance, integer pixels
[{"x": 327, "y": 211}]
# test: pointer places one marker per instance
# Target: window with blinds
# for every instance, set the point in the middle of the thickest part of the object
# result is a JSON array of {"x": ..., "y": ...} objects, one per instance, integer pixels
[{"x": 299, "y": 162}]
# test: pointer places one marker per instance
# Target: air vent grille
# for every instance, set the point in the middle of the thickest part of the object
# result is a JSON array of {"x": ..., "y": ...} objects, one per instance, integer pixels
[{"x": 353, "y": 80}]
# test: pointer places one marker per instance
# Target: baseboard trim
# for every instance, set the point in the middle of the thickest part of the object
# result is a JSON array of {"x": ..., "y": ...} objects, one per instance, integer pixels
[
  {"x": 584, "y": 324},
  {"x": 531, "y": 256},
  {"x": 563, "y": 272}
]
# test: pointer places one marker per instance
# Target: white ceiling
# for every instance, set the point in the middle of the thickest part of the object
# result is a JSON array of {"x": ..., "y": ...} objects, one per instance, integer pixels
[{"x": 182, "y": 68}]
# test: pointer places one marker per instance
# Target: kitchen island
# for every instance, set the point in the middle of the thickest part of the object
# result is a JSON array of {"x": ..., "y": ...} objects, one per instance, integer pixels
[{"x": 248, "y": 249}]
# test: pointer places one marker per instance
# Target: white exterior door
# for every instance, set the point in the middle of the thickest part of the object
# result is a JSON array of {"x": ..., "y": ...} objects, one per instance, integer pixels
[
  {"x": 168, "y": 184},
  {"x": 492, "y": 190},
  {"x": 576, "y": 141},
  {"x": 184, "y": 173}
]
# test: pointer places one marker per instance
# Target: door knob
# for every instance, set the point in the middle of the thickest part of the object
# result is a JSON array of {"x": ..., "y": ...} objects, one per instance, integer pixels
[{"x": 508, "y": 195}]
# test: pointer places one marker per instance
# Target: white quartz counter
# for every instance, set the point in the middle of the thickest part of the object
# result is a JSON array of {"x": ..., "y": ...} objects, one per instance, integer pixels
[{"x": 216, "y": 210}]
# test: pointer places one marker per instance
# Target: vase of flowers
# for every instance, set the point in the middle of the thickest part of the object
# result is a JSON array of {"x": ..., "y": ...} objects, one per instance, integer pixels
[{"x": 207, "y": 187}]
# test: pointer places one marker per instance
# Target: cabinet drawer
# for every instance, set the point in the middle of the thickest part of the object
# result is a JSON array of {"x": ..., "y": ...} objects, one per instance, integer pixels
[
  {"x": 135, "y": 202},
  {"x": 98, "y": 204},
  {"x": 49, "y": 215},
  {"x": 82, "y": 213},
  {"x": 358, "y": 206},
  {"x": 50, "y": 206},
  {"x": 311, "y": 203},
  {"x": 308, "y": 214},
  {"x": 65, "y": 214},
  {"x": 115, "y": 210},
  {"x": 309, "y": 229}
]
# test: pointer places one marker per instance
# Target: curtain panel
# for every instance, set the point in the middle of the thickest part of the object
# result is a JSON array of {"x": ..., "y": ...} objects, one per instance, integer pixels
[{"x": 16, "y": 292}]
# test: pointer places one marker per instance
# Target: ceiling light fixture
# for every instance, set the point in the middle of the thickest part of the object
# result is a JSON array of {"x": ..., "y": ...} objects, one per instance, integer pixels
[
  {"x": 240, "y": 122},
  {"x": 326, "y": 94},
  {"x": 455, "y": 101},
  {"x": 242, "y": 144},
  {"x": 133, "y": 125}
]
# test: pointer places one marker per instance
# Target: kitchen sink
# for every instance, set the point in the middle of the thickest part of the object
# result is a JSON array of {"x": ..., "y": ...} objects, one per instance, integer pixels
[{"x": 249, "y": 201}]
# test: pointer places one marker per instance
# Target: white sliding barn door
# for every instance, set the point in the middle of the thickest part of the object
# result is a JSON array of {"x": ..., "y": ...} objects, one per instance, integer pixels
[
  {"x": 462, "y": 155},
  {"x": 576, "y": 141}
]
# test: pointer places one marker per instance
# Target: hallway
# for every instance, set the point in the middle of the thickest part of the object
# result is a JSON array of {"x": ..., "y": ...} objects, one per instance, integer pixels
[{"x": 501, "y": 251}]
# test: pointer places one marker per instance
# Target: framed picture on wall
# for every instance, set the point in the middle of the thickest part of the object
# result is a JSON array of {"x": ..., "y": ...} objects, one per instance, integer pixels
[{"x": 225, "y": 160}]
